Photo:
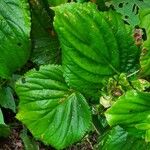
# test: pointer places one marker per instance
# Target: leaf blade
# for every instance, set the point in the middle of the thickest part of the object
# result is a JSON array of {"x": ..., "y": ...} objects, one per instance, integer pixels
[
  {"x": 53, "y": 113},
  {"x": 14, "y": 35},
  {"x": 91, "y": 52},
  {"x": 117, "y": 138},
  {"x": 130, "y": 111}
]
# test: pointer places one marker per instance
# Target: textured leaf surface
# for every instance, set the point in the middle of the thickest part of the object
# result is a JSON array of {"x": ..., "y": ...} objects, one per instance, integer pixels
[
  {"x": 4, "y": 129},
  {"x": 45, "y": 43},
  {"x": 145, "y": 23},
  {"x": 14, "y": 35},
  {"x": 93, "y": 50},
  {"x": 117, "y": 139},
  {"x": 131, "y": 110},
  {"x": 145, "y": 59},
  {"x": 53, "y": 113}
]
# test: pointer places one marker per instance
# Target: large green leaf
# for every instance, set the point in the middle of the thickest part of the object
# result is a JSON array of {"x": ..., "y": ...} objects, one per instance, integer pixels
[
  {"x": 145, "y": 59},
  {"x": 14, "y": 35},
  {"x": 4, "y": 129},
  {"x": 95, "y": 45},
  {"x": 53, "y": 113},
  {"x": 45, "y": 42},
  {"x": 117, "y": 139},
  {"x": 132, "y": 111}
]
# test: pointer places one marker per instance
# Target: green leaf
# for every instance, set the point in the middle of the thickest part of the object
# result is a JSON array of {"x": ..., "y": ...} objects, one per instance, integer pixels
[
  {"x": 53, "y": 113},
  {"x": 81, "y": 1},
  {"x": 145, "y": 23},
  {"x": 145, "y": 59},
  {"x": 129, "y": 9},
  {"x": 45, "y": 42},
  {"x": 131, "y": 111},
  {"x": 29, "y": 144},
  {"x": 4, "y": 129},
  {"x": 14, "y": 35},
  {"x": 145, "y": 64},
  {"x": 95, "y": 45},
  {"x": 7, "y": 99},
  {"x": 117, "y": 138},
  {"x": 56, "y": 2},
  {"x": 101, "y": 4}
]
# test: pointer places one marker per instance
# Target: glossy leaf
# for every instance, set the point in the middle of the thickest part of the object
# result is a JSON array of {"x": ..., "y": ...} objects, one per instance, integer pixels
[
  {"x": 14, "y": 35},
  {"x": 128, "y": 53},
  {"x": 53, "y": 113},
  {"x": 4, "y": 129},
  {"x": 131, "y": 111},
  {"x": 92, "y": 49},
  {"x": 45, "y": 43},
  {"x": 117, "y": 139}
]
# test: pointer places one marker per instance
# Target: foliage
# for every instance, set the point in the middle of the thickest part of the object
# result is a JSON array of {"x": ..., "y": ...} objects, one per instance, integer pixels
[
  {"x": 14, "y": 35},
  {"x": 84, "y": 68},
  {"x": 4, "y": 129},
  {"x": 131, "y": 111},
  {"x": 117, "y": 138},
  {"x": 145, "y": 58},
  {"x": 29, "y": 144},
  {"x": 56, "y": 2},
  {"x": 86, "y": 53},
  {"x": 53, "y": 113},
  {"x": 45, "y": 48},
  {"x": 129, "y": 9},
  {"x": 7, "y": 99}
]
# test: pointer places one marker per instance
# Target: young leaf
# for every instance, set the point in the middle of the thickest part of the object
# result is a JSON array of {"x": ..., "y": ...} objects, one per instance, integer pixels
[
  {"x": 93, "y": 50},
  {"x": 4, "y": 129},
  {"x": 45, "y": 42},
  {"x": 14, "y": 35},
  {"x": 53, "y": 113},
  {"x": 117, "y": 139},
  {"x": 131, "y": 111}
]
